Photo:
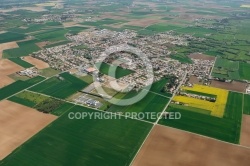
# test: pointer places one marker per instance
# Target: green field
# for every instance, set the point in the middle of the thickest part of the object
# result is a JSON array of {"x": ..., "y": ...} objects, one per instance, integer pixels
[
  {"x": 62, "y": 87},
  {"x": 85, "y": 142},
  {"x": 117, "y": 70},
  {"x": 75, "y": 30},
  {"x": 21, "y": 62},
  {"x": 53, "y": 24},
  {"x": 25, "y": 48},
  {"x": 28, "y": 99},
  {"x": 29, "y": 28},
  {"x": 226, "y": 128},
  {"x": 62, "y": 109},
  {"x": 196, "y": 31},
  {"x": 227, "y": 64},
  {"x": 88, "y": 78},
  {"x": 226, "y": 69},
  {"x": 182, "y": 58},
  {"x": 158, "y": 86},
  {"x": 231, "y": 69},
  {"x": 247, "y": 104},
  {"x": 150, "y": 103},
  {"x": 52, "y": 35},
  {"x": 244, "y": 71},
  {"x": 48, "y": 72},
  {"x": 39, "y": 102},
  {"x": 162, "y": 27},
  {"x": 192, "y": 109},
  {"x": 18, "y": 86},
  {"x": 11, "y": 36}
]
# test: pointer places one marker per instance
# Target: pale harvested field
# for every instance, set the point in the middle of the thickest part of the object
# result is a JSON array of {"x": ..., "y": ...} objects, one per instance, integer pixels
[
  {"x": 5, "y": 80},
  {"x": 201, "y": 56},
  {"x": 36, "y": 62},
  {"x": 171, "y": 147},
  {"x": 42, "y": 44},
  {"x": 245, "y": 131},
  {"x": 69, "y": 24},
  {"x": 234, "y": 86},
  {"x": 6, "y": 46},
  {"x": 7, "y": 67},
  {"x": 18, "y": 124}
]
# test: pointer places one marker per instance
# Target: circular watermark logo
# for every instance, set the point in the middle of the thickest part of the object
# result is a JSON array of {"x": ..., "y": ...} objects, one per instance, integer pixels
[{"x": 147, "y": 72}]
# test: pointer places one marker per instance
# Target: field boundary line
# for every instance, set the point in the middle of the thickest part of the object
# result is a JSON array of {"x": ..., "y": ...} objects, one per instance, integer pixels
[
  {"x": 183, "y": 79},
  {"x": 158, "y": 94},
  {"x": 242, "y": 114},
  {"x": 45, "y": 127},
  {"x": 206, "y": 137},
  {"x": 154, "y": 124},
  {"x": 112, "y": 113},
  {"x": 138, "y": 151},
  {"x": 31, "y": 86}
]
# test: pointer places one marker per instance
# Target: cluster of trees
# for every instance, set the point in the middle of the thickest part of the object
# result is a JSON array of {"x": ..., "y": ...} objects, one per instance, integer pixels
[
  {"x": 172, "y": 81},
  {"x": 49, "y": 105}
]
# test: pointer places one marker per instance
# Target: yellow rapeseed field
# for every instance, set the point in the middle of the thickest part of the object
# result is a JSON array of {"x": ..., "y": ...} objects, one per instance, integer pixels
[{"x": 217, "y": 108}]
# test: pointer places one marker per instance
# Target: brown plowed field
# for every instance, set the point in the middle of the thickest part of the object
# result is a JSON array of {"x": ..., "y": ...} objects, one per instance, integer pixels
[
  {"x": 18, "y": 124},
  {"x": 7, "y": 67},
  {"x": 171, "y": 147},
  {"x": 233, "y": 86},
  {"x": 245, "y": 131}
]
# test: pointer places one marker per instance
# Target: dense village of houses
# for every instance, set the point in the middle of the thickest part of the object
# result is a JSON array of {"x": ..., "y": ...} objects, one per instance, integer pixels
[{"x": 96, "y": 42}]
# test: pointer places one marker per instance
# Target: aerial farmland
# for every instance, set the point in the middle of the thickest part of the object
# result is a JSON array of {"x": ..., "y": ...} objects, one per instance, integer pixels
[{"x": 124, "y": 83}]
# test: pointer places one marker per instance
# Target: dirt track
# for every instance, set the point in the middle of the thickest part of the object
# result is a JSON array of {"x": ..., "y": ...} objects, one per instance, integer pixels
[
  {"x": 36, "y": 62},
  {"x": 18, "y": 124},
  {"x": 245, "y": 131},
  {"x": 171, "y": 147}
]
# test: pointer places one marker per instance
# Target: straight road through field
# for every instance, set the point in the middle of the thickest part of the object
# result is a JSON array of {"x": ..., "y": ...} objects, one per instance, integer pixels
[{"x": 182, "y": 81}]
